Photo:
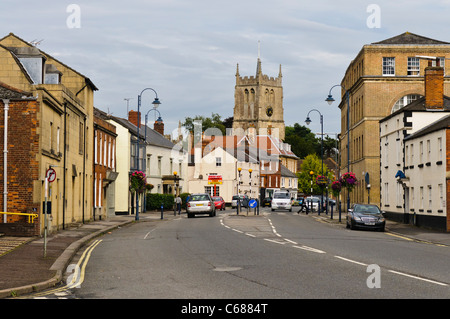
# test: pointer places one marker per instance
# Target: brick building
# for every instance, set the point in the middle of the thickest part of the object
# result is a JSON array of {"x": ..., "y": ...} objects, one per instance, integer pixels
[
  {"x": 383, "y": 77},
  {"x": 19, "y": 158},
  {"x": 62, "y": 113},
  {"x": 104, "y": 163}
]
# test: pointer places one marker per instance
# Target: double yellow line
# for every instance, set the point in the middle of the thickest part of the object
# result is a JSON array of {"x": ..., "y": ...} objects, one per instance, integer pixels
[{"x": 77, "y": 277}]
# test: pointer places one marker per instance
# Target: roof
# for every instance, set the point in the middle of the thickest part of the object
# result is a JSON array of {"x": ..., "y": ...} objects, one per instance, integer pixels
[
  {"x": 411, "y": 39},
  {"x": 88, "y": 81},
  {"x": 443, "y": 123},
  {"x": 285, "y": 172},
  {"x": 153, "y": 137},
  {"x": 419, "y": 106},
  {"x": 9, "y": 92}
]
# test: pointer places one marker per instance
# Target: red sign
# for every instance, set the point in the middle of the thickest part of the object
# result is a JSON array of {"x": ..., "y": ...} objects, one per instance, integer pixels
[{"x": 215, "y": 179}]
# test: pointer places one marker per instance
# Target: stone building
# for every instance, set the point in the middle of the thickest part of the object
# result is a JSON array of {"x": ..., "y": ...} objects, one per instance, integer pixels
[
  {"x": 382, "y": 78},
  {"x": 258, "y": 106},
  {"x": 60, "y": 120}
]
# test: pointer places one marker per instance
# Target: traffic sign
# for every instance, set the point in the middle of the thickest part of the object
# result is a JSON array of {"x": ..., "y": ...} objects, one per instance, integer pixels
[
  {"x": 51, "y": 175},
  {"x": 252, "y": 203}
]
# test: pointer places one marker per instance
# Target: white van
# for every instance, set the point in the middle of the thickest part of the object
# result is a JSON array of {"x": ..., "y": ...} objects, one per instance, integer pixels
[{"x": 281, "y": 200}]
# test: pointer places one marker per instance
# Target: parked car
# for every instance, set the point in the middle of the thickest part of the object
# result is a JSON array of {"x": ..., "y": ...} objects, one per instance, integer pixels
[
  {"x": 266, "y": 201},
  {"x": 313, "y": 202},
  {"x": 200, "y": 204},
  {"x": 243, "y": 199},
  {"x": 281, "y": 200},
  {"x": 365, "y": 216},
  {"x": 219, "y": 202}
]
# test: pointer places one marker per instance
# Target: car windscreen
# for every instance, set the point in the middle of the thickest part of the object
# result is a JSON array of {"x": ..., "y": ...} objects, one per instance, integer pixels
[
  {"x": 216, "y": 198},
  {"x": 199, "y": 197},
  {"x": 366, "y": 209},
  {"x": 281, "y": 195}
]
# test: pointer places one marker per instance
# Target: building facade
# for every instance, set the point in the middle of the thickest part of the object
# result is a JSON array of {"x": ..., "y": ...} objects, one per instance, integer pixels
[
  {"x": 63, "y": 126},
  {"x": 384, "y": 77},
  {"x": 105, "y": 174},
  {"x": 258, "y": 106},
  {"x": 406, "y": 166}
]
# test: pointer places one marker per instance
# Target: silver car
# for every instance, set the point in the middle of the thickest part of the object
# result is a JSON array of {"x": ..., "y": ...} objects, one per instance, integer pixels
[{"x": 200, "y": 204}]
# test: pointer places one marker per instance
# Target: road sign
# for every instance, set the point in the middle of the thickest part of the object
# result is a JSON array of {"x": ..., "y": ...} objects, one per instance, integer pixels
[
  {"x": 252, "y": 203},
  {"x": 51, "y": 175}
]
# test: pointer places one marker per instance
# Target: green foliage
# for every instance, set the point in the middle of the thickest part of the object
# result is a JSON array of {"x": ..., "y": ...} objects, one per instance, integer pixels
[
  {"x": 311, "y": 163},
  {"x": 154, "y": 201},
  {"x": 208, "y": 124}
]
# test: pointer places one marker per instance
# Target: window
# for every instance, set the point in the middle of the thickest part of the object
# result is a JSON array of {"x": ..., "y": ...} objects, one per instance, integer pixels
[
  {"x": 428, "y": 150},
  {"x": 413, "y": 66},
  {"x": 421, "y": 152},
  {"x": 95, "y": 147},
  {"x": 429, "y": 196},
  {"x": 441, "y": 196},
  {"x": 405, "y": 100},
  {"x": 218, "y": 161},
  {"x": 389, "y": 66},
  {"x": 440, "y": 148},
  {"x": 210, "y": 190},
  {"x": 386, "y": 194},
  {"x": 421, "y": 197}
]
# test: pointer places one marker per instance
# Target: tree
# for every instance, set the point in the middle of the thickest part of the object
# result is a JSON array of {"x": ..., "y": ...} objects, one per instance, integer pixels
[
  {"x": 214, "y": 121},
  {"x": 311, "y": 163}
]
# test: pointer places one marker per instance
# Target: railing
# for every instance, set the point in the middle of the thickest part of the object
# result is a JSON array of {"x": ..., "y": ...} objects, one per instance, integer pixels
[{"x": 31, "y": 216}]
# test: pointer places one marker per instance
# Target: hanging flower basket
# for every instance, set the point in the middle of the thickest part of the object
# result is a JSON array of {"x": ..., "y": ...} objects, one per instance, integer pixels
[
  {"x": 138, "y": 182},
  {"x": 348, "y": 180},
  {"x": 336, "y": 188}
]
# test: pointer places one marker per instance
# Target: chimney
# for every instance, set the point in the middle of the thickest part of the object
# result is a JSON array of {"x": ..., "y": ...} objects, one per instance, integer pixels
[
  {"x": 434, "y": 86},
  {"x": 134, "y": 117},
  {"x": 159, "y": 126}
]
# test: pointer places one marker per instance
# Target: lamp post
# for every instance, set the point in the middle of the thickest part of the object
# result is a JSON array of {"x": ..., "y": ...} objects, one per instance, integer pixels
[
  {"x": 308, "y": 121},
  {"x": 239, "y": 196},
  {"x": 330, "y": 100},
  {"x": 155, "y": 103}
]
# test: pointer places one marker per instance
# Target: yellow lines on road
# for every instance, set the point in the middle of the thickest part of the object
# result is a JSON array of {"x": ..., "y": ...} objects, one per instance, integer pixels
[
  {"x": 398, "y": 236},
  {"x": 77, "y": 277}
]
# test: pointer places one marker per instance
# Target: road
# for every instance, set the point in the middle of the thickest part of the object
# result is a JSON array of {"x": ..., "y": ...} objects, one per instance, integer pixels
[{"x": 277, "y": 255}]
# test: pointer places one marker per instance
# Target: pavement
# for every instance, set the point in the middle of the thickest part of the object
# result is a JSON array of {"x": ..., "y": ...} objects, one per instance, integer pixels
[{"x": 24, "y": 269}]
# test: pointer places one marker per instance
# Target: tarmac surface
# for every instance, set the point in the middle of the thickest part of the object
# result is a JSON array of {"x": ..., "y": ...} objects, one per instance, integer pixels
[{"x": 24, "y": 269}]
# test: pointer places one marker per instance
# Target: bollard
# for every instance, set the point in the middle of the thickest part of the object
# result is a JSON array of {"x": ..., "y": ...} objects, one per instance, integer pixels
[{"x": 162, "y": 211}]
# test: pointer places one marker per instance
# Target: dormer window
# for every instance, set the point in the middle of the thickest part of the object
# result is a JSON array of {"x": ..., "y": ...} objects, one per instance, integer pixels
[
  {"x": 33, "y": 62},
  {"x": 52, "y": 75}
]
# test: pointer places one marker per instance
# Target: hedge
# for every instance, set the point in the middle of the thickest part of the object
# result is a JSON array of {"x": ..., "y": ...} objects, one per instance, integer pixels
[{"x": 154, "y": 201}]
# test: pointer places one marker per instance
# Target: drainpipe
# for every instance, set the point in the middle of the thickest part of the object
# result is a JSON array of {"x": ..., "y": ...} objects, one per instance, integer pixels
[{"x": 5, "y": 161}]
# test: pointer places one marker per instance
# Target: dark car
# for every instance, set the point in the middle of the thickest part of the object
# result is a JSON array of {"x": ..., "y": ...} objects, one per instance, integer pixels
[
  {"x": 365, "y": 216},
  {"x": 267, "y": 201},
  {"x": 219, "y": 202}
]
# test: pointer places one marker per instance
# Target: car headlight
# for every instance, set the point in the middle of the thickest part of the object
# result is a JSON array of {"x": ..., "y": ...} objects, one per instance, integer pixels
[
  {"x": 356, "y": 218},
  {"x": 381, "y": 219}
]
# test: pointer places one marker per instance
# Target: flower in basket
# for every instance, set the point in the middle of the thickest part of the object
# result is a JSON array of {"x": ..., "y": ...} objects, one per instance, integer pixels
[
  {"x": 336, "y": 188},
  {"x": 137, "y": 182},
  {"x": 348, "y": 180}
]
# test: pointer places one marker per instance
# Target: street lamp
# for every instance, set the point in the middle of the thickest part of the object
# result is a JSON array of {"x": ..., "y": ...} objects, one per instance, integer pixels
[
  {"x": 308, "y": 121},
  {"x": 330, "y": 100},
  {"x": 155, "y": 103}
]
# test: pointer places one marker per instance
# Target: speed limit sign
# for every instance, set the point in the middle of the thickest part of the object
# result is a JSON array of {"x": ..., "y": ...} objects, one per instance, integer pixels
[{"x": 51, "y": 175}]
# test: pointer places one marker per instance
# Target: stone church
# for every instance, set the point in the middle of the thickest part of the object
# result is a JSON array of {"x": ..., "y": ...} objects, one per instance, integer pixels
[{"x": 258, "y": 106}]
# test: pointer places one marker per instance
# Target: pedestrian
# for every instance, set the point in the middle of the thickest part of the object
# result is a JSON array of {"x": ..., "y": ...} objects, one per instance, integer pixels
[{"x": 178, "y": 202}]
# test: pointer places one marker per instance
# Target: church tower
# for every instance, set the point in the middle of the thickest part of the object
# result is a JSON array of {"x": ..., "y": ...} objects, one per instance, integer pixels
[{"x": 258, "y": 104}]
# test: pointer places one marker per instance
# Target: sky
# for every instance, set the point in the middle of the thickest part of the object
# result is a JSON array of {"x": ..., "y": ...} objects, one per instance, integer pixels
[{"x": 187, "y": 51}]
